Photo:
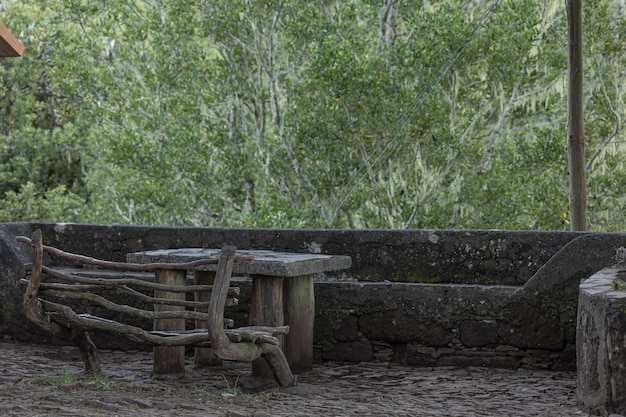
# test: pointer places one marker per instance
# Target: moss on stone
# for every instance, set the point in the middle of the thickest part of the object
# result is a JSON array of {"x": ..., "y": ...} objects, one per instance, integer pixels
[
  {"x": 420, "y": 277},
  {"x": 6, "y": 309},
  {"x": 619, "y": 284}
]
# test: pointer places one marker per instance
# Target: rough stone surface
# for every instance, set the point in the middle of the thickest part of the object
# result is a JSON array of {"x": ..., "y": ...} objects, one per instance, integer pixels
[
  {"x": 533, "y": 327},
  {"x": 428, "y": 324},
  {"x": 475, "y": 333},
  {"x": 432, "y": 256},
  {"x": 13, "y": 256},
  {"x": 44, "y": 380},
  {"x": 358, "y": 351},
  {"x": 601, "y": 344},
  {"x": 397, "y": 326},
  {"x": 347, "y": 330},
  {"x": 405, "y": 289}
]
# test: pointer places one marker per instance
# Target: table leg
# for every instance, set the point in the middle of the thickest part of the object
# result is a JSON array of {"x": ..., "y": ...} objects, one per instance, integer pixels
[
  {"x": 169, "y": 360},
  {"x": 204, "y": 356},
  {"x": 299, "y": 297},
  {"x": 266, "y": 309}
]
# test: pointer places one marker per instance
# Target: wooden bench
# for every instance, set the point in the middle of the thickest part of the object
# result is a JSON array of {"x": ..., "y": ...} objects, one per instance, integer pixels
[{"x": 47, "y": 305}]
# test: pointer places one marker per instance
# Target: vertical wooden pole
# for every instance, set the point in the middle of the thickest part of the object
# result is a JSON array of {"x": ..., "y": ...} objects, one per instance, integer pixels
[
  {"x": 299, "y": 300},
  {"x": 266, "y": 309},
  {"x": 169, "y": 360},
  {"x": 576, "y": 114},
  {"x": 204, "y": 356}
]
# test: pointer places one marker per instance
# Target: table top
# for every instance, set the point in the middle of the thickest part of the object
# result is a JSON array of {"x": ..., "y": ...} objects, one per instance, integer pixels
[{"x": 266, "y": 262}]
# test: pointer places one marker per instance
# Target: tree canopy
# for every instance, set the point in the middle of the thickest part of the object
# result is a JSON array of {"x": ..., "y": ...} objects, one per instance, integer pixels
[{"x": 325, "y": 113}]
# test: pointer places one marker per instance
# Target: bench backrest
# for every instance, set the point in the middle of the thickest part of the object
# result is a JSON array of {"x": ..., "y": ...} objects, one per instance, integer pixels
[{"x": 87, "y": 285}]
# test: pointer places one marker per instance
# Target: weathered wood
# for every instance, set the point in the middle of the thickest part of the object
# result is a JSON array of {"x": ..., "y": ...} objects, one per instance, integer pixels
[
  {"x": 204, "y": 356},
  {"x": 64, "y": 315},
  {"x": 169, "y": 336},
  {"x": 137, "y": 312},
  {"x": 278, "y": 330},
  {"x": 86, "y": 292},
  {"x": 267, "y": 263},
  {"x": 88, "y": 351},
  {"x": 259, "y": 347},
  {"x": 155, "y": 266},
  {"x": 576, "y": 117},
  {"x": 219, "y": 340},
  {"x": 35, "y": 312},
  {"x": 125, "y": 281},
  {"x": 266, "y": 308},
  {"x": 169, "y": 360},
  {"x": 299, "y": 305}
]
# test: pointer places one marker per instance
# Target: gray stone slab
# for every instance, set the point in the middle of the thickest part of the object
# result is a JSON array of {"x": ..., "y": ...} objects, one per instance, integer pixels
[{"x": 270, "y": 263}]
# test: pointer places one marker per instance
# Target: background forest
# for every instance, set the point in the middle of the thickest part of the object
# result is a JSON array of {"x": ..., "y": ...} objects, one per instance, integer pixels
[{"x": 308, "y": 113}]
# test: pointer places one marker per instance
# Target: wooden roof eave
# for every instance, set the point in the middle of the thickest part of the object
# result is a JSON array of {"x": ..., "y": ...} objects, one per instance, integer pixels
[{"x": 9, "y": 45}]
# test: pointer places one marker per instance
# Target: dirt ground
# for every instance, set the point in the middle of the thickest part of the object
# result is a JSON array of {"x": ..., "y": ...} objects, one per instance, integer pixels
[{"x": 38, "y": 380}]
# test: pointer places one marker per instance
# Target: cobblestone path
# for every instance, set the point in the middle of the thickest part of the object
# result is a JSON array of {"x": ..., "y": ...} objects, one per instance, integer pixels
[{"x": 38, "y": 380}]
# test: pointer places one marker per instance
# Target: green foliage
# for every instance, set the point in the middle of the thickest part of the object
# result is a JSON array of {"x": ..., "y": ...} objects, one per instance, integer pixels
[{"x": 306, "y": 114}]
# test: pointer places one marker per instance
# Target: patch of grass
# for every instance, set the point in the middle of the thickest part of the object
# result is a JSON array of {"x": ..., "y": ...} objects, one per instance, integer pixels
[
  {"x": 6, "y": 309},
  {"x": 231, "y": 392},
  {"x": 97, "y": 381},
  {"x": 56, "y": 380},
  {"x": 102, "y": 382},
  {"x": 5, "y": 392}
]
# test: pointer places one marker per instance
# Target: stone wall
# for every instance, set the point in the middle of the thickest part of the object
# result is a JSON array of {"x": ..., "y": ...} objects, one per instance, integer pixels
[
  {"x": 419, "y": 297},
  {"x": 440, "y": 325},
  {"x": 601, "y": 340},
  {"x": 425, "y": 256}
]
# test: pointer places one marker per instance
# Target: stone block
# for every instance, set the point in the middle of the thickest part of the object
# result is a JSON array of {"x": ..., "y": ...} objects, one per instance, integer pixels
[
  {"x": 527, "y": 326},
  {"x": 489, "y": 361},
  {"x": 416, "y": 355},
  {"x": 348, "y": 330},
  {"x": 476, "y": 333},
  {"x": 601, "y": 345},
  {"x": 395, "y": 326},
  {"x": 358, "y": 351}
]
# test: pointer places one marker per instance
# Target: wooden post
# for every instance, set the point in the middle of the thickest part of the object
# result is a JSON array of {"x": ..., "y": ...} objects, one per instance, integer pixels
[
  {"x": 266, "y": 309},
  {"x": 576, "y": 114},
  {"x": 204, "y": 356},
  {"x": 169, "y": 360},
  {"x": 300, "y": 317}
]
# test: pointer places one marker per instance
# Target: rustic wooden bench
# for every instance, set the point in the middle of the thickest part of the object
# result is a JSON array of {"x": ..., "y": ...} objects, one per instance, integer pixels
[{"x": 47, "y": 304}]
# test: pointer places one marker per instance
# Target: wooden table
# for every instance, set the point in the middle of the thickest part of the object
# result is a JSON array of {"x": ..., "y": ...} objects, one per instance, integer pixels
[{"x": 282, "y": 293}]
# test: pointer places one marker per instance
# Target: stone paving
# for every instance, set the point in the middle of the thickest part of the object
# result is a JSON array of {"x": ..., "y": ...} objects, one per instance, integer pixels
[{"x": 38, "y": 380}]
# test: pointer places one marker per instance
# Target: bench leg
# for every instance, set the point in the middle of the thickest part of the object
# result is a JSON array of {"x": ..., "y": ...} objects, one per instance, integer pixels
[
  {"x": 279, "y": 366},
  {"x": 299, "y": 307},
  {"x": 169, "y": 360},
  {"x": 88, "y": 352},
  {"x": 266, "y": 309}
]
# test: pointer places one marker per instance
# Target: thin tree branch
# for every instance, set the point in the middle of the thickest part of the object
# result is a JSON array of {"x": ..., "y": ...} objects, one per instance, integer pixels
[
  {"x": 277, "y": 113},
  {"x": 616, "y": 127},
  {"x": 498, "y": 131},
  {"x": 421, "y": 199}
]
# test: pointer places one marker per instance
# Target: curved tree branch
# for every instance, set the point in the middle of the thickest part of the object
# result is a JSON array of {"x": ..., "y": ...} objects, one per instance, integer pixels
[{"x": 615, "y": 110}]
